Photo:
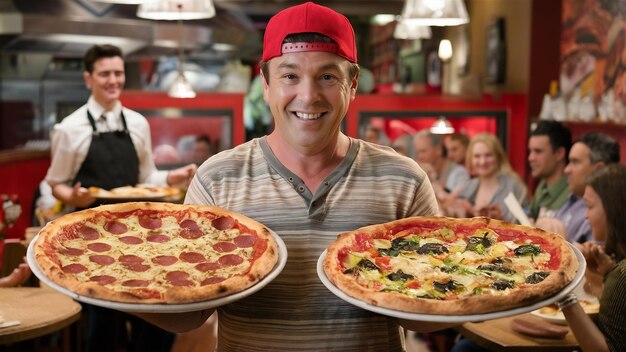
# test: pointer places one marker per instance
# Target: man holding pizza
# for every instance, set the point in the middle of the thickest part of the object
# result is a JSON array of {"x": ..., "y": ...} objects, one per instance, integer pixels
[
  {"x": 308, "y": 182},
  {"x": 105, "y": 145}
]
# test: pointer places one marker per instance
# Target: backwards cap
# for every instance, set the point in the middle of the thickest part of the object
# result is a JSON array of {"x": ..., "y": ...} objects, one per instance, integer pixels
[{"x": 309, "y": 18}]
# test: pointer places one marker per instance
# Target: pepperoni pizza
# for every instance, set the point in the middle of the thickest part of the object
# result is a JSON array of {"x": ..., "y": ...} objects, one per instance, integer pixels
[{"x": 155, "y": 252}]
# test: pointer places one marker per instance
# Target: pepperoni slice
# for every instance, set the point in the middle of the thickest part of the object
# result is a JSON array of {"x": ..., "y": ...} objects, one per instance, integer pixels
[
  {"x": 102, "y": 259},
  {"x": 224, "y": 247},
  {"x": 88, "y": 233},
  {"x": 137, "y": 267},
  {"x": 103, "y": 279},
  {"x": 230, "y": 260},
  {"x": 131, "y": 240},
  {"x": 74, "y": 268},
  {"x": 99, "y": 247},
  {"x": 190, "y": 230},
  {"x": 189, "y": 224},
  {"x": 191, "y": 257},
  {"x": 164, "y": 260},
  {"x": 115, "y": 227},
  {"x": 176, "y": 275},
  {"x": 244, "y": 241},
  {"x": 130, "y": 258},
  {"x": 150, "y": 222},
  {"x": 223, "y": 223},
  {"x": 208, "y": 266},
  {"x": 212, "y": 280},
  {"x": 136, "y": 283},
  {"x": 71, "y": 251},
  {"x": 158, "y": 238}
]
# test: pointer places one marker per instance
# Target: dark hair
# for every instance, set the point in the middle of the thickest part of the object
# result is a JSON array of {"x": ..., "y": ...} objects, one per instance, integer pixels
[
  {"x": 97, "y": 52},
  {"x": 307, "y": 38},
  {"x": 610, "y": 185},
  {"x": 602, "y": 148},
  {"x": 203, "y": 138},
  {"x": 461, "y": 137},
  {"x": 559, "y": 135}
]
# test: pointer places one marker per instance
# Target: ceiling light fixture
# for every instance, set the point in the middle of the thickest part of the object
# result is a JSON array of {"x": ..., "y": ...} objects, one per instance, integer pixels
[
  {"x": 442, "y": 126},
  {"x": 445, "y": 50},
  {"x": 181, "y": 88},
  {"x": 176, "y": 10},
  {"x": 407, "y": 29},
  {"x": 436, "y": 12}
]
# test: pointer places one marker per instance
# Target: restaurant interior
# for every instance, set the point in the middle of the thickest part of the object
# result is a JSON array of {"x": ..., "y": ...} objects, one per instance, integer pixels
[{"x": 506, "y": 65}]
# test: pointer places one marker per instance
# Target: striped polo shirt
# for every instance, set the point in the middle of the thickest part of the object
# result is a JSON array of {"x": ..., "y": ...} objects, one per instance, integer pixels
[{"x": 295, "y": 312}]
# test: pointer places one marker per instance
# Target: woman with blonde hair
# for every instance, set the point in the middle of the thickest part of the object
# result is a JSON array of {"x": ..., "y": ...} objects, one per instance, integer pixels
[{"x": 493, "y": 179}]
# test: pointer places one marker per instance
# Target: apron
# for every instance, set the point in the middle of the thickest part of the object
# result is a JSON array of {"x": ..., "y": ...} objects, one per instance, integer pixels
[{"x": 111, "y": 160}]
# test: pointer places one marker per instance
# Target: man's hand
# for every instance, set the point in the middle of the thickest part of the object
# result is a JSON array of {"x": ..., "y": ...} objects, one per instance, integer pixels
[
  {"x": 492, "y": 211},
  {"x": 182, "y": 176},
  {"x": 17, "y": 277},
  {"x": 76, "y": 196}
]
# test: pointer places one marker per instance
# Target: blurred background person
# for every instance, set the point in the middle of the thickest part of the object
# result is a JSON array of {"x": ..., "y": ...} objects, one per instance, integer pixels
[
  {"x": 445, "y": 175},
  {"x": 376, "y": 135},
  {"x": 202, "y": 149},
  {"x": 493, "y": 180},
  {"x": 604, "y": 196},
  {"x": 164, "y": 155},
  {"x": 456, "y": 147},
  {"x": 591, "y": 152},
  {"x": 548, "y": 149}
]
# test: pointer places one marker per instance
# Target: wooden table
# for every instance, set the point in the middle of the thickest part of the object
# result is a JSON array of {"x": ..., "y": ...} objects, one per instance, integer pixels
[
  {"x": 40, "y": 311},
  {"x": 496, "y": 335}
]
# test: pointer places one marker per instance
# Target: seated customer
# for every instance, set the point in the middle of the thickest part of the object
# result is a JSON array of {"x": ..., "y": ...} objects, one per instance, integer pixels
[
  {"x": 593, "y": 151},
  {"x": 604, "y": 196},
  {"x": 494, "y": 179}
]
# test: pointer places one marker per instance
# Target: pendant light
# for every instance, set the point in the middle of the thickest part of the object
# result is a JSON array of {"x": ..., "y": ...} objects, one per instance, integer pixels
[
  {"x": 435, "y": 12},
  {"x": 176, "y": 10},
  {"x": 181, "y": 87},
  {"x": 442, "y": 126},
  {"x": 407, "y": 29}
]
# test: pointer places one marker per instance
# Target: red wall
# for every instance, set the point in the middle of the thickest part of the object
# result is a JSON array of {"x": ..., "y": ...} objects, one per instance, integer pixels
[
  {"x": 22, "y": 177},
  {"x": 513, "y": 104}
]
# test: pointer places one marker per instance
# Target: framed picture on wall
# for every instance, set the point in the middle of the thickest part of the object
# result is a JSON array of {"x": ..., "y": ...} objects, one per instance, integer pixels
[{"x": 495, "y": 59}]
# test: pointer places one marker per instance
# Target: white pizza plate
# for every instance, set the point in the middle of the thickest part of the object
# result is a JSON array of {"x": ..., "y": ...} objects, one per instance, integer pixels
[
  {"x": 162, "y": 308},
  {"x": 436, "y": 318}
]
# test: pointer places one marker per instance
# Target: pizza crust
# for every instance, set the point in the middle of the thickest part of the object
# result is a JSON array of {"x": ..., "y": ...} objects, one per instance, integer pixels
[
  {"x": 53, "y": 235},
  {"x": 467, "y": 305}
]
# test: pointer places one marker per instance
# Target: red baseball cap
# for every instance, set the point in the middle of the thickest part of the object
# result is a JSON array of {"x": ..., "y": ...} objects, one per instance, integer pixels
[{"x": 309, "y": 18}]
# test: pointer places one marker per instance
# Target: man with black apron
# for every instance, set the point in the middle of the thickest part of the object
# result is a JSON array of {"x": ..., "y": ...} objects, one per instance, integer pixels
[{"x": 104, "y": 145}]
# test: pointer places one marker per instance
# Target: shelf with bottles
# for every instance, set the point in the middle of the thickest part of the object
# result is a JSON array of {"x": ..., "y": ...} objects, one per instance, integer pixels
[{"x": 581, "y": 107}]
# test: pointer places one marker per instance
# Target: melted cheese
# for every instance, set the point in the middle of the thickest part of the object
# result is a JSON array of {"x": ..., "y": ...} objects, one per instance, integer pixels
[
  {"x": 458, "y": 265},
  {"x": 156, "y": 274}
]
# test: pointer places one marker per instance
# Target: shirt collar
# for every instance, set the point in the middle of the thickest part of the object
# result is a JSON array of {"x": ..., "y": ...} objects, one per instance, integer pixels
[
  {"x": 556, "y": 188},
  {"x": 97, "y": 110}
]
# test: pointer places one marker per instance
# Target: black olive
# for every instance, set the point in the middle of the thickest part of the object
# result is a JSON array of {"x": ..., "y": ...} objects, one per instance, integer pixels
[
  {"x": 527, "y": 249},
  {"x": 367, "y": 265},
  {"x": 434, "y": 248},
  {"x": 501, "y": 260},
  {"x": 446, "y": 286},
  {"x": 503, "y": 284},
  {"x": 399, "y": 276},
  {"x": 497, "y": 268},
  {"x": 402, "y": 244},
  {"x": 537, "y": 277}
]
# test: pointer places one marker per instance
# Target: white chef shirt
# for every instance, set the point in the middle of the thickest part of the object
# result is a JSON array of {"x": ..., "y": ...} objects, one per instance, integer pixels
[{"x": 70, "y": 140}]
